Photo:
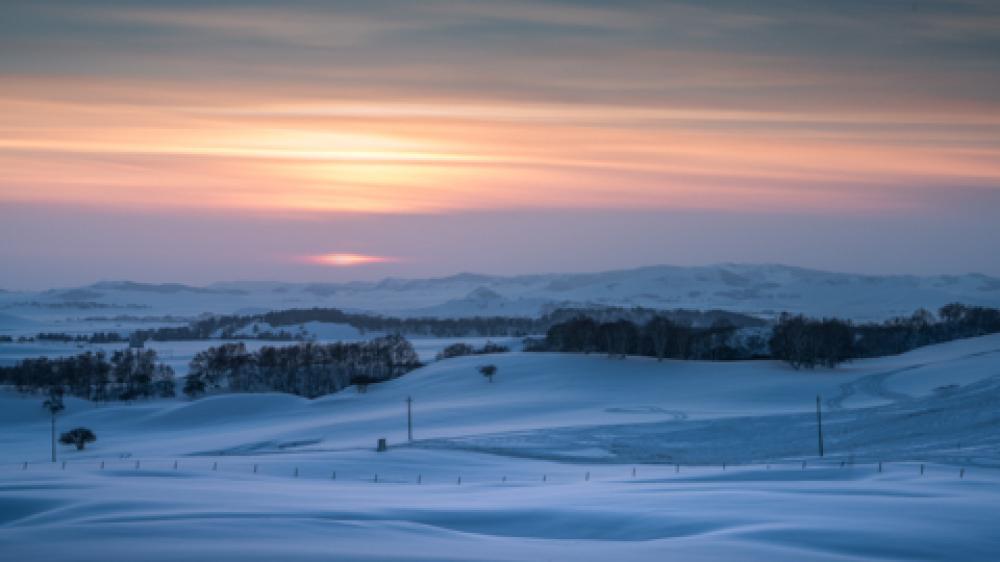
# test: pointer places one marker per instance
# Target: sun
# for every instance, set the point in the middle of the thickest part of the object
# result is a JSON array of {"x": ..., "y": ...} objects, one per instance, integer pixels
[{"x": 347, "y": 259}]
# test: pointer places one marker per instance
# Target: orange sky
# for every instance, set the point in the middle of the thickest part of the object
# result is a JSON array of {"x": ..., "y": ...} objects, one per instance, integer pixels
[
  {"x": 447, "y": 107},
  {"x": 66, "y": 143}
]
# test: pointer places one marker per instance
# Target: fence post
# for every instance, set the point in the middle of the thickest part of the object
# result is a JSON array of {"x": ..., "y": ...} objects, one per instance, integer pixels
[
  {"x": 333, "y": 475},
  {"x": 419, "y": 478},
  {"x": 880, "y": 466},
  {"x": 921, "y": 469},
  {"x": 102, "y": 465},
  {"x": 296, "y": 472},
  {"x": 961, "y": 473},
  {"x": 215, "y": 465},
  {"x": 137, "y": 465},
  {"x": 175, "y": 465},
  {"x": 587, "y": 477}
]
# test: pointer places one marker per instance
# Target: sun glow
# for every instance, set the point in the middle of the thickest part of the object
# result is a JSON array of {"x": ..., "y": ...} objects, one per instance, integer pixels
[{"x": 347, "y": 259}]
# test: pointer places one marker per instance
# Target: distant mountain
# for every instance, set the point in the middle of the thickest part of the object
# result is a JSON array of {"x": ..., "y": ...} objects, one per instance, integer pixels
[{"x": 763, "y": 290}]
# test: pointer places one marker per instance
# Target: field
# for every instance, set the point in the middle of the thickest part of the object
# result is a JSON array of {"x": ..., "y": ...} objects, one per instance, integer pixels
[{"x": 562, "y": 457}]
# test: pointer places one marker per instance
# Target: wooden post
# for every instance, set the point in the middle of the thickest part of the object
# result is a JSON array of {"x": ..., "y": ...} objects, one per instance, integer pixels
[
  {"x": 53, "y": 436},
  {"x": 381, "y": 447},
  {"x": 409, "y": 418},
  {"x": 819, "y": 426}
]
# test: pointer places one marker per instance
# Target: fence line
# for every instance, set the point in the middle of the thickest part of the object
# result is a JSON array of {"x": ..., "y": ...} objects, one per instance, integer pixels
[{"x": 317, "y": 470}]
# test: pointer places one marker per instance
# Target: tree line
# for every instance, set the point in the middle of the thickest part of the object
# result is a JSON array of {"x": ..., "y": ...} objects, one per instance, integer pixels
[
  {"x": 800, "y": 341},
  {"x": 232, "y": 326},
  {"x": 659, "y": 337},
  {"x": 123, "y": 375},
  {"x": 462, "y": 349},
  {"x": 809, "y": 342},
  {"x": 307, "y": 369}
]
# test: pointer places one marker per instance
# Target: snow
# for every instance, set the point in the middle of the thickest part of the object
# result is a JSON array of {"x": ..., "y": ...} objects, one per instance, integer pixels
[
  {"x": 754, "y": 289},
  {"x": 536, "y": 465}
]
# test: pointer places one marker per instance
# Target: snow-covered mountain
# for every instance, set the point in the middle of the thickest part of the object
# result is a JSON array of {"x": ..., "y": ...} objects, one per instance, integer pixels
[{"x": 755, "y": 289}]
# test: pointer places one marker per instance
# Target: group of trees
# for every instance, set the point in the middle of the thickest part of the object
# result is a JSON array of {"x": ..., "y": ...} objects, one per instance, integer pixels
[
  {"x": 659, "y": 337},
  {"x": 462, "y": 349},
  {"x": 233, "y": 326},
  {"x": 124, "y": 375},
  {"x": 802, "y": 342},
  {"x": 807, "y": 342},
  {"x": 96, "y": 337},
  {"x": 307, "y": 369}
]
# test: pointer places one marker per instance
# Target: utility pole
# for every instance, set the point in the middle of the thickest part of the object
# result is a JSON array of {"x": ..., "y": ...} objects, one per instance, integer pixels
[
  {"x": 54, "y": 405},
  {"x": 819, "y": 426},
  {"x": 409, "y": 418}
]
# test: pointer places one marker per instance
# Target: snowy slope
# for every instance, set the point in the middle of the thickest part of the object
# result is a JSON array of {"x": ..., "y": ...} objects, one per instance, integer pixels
[{"x": 536, "y": 465}]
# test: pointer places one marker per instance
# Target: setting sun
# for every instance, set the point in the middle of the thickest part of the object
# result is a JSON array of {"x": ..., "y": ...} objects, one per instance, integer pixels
[{"x": 347, "y": 259}]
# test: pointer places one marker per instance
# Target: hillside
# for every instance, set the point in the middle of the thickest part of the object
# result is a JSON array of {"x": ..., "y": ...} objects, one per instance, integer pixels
[
  {"x": 754, "y": 289},
  {"x": 533, "y": 462}
]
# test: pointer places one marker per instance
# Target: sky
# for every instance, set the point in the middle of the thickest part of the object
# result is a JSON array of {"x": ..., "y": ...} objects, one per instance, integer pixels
[{"x": 327, "y": 141}]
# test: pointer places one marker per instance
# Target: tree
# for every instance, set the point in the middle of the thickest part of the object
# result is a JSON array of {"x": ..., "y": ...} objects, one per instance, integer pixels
[
  {"x": 194, "y": 385},
  {"x": 79, "y": 437},
  {"x": 488, "y": 371},
  {"x": 54, "y": 404}
]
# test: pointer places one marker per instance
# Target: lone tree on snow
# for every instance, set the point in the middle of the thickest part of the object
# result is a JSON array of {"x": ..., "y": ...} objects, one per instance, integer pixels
[
  {"x": 488, "y": 371},
  {"x": 54, "y": 404},
  {"x": 79, "y": 437}
]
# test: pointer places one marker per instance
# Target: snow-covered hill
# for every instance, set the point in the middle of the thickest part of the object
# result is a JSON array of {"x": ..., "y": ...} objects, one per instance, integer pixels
[
  {"x": 562, "y": 457},
  {"x": 755, "y": 289}
]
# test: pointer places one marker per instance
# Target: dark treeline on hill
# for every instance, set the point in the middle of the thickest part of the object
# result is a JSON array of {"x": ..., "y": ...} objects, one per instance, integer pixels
[
  {"x": 659, "y": 337},
  {"x": 462, "y": 349},
  {"x": 800, "y": 341},
  {"x": 807, "y": 342},
  {"x": 227, "y": 327},
  {"x": 124, "y": 375},
  {"x": 96, "y": 337},
  {"x": 307, "y": 369}
]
